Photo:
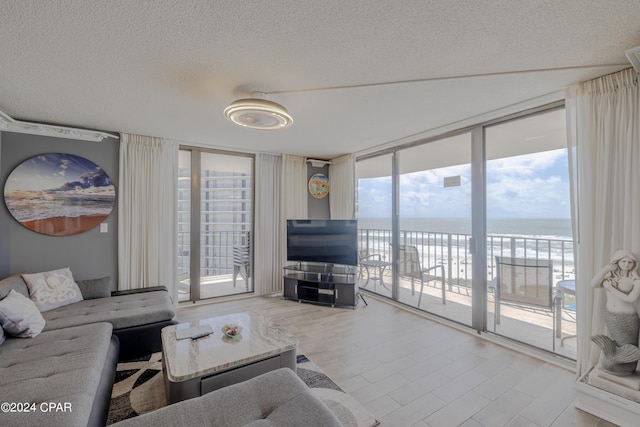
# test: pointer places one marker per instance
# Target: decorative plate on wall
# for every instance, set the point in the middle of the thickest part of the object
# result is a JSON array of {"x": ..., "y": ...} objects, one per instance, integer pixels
[
  {"x": 59, "y": 194},
  {"x": 319, "y": 185}
]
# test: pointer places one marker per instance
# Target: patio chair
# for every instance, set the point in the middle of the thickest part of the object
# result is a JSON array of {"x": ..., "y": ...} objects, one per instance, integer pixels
[
  {"x": 524, "y": 281},
  {"x": 242, "y": 263},
  {"x": 410, "y": 267},
  {"x": 564, "y": 287}
]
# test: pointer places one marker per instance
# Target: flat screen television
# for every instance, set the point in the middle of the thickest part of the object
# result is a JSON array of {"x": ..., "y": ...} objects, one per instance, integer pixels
[{"x": 329, "y": 241}]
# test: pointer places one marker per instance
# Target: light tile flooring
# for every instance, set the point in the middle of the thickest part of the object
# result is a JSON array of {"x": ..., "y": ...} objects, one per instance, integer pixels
[
  {"x": 412, "y": 371},
  {"x": 533, "y": 326},
  {"x": 529, "y": 324}
]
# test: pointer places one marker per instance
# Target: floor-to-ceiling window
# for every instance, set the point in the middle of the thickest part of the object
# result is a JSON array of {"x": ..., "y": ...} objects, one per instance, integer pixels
[
  {"x": 215, "y": 217},
  {"x": 374, "y": 212},
  {"x": 434, "y": 227},
  {"x": 529, "y": 243},
  {"x": 504, "y": 183}
]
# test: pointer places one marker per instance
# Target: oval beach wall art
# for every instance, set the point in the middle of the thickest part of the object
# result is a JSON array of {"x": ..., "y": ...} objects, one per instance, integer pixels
[
  {"x": 319, "y": 186},
  {"x": 59, "y": 194}
]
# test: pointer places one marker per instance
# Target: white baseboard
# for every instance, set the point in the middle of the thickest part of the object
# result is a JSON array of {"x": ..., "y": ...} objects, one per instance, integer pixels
[{"x": 605, "y": 405}]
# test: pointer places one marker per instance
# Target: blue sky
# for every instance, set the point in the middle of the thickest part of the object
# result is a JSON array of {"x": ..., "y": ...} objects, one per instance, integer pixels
[
  {"x": 528, "y": 186},
  {"x": 55, "y": 171}
]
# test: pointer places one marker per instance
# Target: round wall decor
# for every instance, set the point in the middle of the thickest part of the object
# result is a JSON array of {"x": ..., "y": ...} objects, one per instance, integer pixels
[
  {"x": 319, "y": 185},
  {"x": 59, "y": 194}
]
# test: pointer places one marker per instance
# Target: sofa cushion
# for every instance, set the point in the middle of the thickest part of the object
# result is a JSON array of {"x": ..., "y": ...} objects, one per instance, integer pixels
[
  {"x": 95, "y": 288},
  {"x": 277, "y": 398},
  {"x": 121, "y": 311},
  {"x": 52, "y": 289},
  {"x": 15, "y": 282},
  {"x": 19, "y": 316},
  {"x": 63, "y": 366}
]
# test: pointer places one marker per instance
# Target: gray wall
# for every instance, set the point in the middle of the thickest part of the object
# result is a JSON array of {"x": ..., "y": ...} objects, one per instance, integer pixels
[
  {"x": 4, "y": 232},
  {"x": 318, "y": 208},
  {"x": 90, "y": 254}
]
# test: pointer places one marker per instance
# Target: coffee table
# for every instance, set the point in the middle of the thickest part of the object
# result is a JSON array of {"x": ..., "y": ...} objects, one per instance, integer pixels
[{"x": 193, "y": 367}]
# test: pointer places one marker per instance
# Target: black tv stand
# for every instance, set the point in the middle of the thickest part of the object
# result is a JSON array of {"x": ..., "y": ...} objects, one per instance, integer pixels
[{"x": 328, "y": 284}]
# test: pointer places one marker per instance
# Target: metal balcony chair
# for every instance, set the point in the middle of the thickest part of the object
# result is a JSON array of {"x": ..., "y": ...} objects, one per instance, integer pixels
[
  {"x": 410, "y": 267},
  {"x": 564, "y": 287},
  {"x": 524, "y": 281},
  {"x": 242, "y": 263}
]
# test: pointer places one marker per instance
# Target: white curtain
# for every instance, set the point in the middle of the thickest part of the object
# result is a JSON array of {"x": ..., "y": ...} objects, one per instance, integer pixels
[
  {"x": 147, "y": 201},
  {"x": 603, "y": 124},
  {"x": 268, "y": 250},
  {"x": 342, "y": 188},
  {"x": 294, "y": 187},
  {"x": 294, "y": 197}
]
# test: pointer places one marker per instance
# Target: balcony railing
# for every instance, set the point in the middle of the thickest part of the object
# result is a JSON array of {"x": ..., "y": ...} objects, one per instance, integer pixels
[
  {"x": 216, "y": 251},
  {"x": 449, "y": 249},
  {"x": 452, "y": 250}
]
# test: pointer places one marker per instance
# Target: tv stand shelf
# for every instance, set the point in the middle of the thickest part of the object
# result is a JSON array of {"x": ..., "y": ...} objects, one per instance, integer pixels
[{"x": 333, "y": 285}]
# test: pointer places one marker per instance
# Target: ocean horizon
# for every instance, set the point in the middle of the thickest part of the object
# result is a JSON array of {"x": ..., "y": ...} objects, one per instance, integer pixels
[{"x": 545, "y": 228}]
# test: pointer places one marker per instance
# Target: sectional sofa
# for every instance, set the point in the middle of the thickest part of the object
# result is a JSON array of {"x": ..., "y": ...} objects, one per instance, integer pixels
[
  {"x": 57, "y": 366},
  {"x": 60, "y": 369}
]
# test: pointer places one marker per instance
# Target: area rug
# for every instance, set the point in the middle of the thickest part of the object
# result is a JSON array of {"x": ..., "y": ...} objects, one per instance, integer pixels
[{"x": 139, "y": 388}]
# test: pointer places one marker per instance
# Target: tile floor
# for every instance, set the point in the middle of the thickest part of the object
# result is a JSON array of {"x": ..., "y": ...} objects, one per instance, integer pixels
[{"x": 411, "y": 371}]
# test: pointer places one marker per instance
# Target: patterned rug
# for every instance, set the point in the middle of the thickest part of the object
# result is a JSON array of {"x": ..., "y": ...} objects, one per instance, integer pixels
[{"x": 139, "y": 388}]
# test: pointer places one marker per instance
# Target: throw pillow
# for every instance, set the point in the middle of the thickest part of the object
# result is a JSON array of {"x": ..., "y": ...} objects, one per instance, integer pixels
[
  {"x": 95, "y": 288},
  {"x": 13, "y": 282},
  {"x": 19, "y": 316},
  {"x": 52, "y": 289}
]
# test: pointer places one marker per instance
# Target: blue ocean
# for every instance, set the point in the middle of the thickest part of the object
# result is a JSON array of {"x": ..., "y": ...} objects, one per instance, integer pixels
[{"x": 544, "y": 228}]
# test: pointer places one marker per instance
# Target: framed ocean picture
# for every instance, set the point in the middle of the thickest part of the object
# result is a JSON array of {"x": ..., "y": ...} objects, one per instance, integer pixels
[
  {"x": 59, "y": 194},
  {"x": 319, "y": 186}
]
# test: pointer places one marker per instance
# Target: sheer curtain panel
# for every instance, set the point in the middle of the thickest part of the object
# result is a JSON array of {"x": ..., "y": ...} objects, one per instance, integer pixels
[
  {"x": 268, "y": 248},
  {"x": 342, "y": 191},
  {"x": 603, "y": 125},
  {"x": 294, "y": 184},
  {"x": 147, "y": 213}
]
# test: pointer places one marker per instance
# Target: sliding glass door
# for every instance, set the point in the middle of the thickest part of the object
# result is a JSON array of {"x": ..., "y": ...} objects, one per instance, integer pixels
[
  {"x": 529, "y": 238},
  {"x": 374, "y": 201},
  {"x": 215, "y": 219},
  {"x": 434, "y": 264},
  {"x": 430, "y": 184},
  {"x": 475, "y": 227}
]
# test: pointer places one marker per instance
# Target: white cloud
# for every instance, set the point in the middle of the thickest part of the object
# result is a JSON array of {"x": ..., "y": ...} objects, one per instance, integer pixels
[
  {"x": 527, "y": 164},
  {"x": 528, "y": 186}
]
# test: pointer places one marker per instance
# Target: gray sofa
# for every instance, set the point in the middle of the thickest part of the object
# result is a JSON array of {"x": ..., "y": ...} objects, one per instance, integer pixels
[
  {"x": 277, "y": 398},
  {"x": 72, "y": 367},
  {"x": 137, "y": 316},
  {"x": 72, "y": 362}
]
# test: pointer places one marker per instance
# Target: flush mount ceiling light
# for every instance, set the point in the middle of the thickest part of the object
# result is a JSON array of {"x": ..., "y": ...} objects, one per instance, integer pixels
[{"x": 258, "y": 113}]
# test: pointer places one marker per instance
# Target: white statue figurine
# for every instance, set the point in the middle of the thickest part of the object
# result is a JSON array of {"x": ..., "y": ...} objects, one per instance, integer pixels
[{"x": 621, "y": 282}]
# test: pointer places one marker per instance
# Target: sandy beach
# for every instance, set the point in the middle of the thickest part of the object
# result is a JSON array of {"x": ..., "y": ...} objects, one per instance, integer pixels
[{"x": 64, "y": 226}]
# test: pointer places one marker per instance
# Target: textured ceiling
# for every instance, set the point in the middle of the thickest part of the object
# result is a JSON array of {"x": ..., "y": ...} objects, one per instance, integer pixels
[{"x": 354, "y": 75}]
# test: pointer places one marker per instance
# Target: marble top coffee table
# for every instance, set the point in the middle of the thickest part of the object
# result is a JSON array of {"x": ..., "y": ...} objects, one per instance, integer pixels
[{"x": 193, "y": 367}]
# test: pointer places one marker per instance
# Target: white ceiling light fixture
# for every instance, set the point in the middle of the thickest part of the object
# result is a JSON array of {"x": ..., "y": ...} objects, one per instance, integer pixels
[{"x": 256, "y": 113}]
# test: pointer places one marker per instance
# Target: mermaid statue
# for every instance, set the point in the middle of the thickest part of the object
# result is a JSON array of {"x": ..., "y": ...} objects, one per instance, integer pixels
[{"x": 620, "y": 280}]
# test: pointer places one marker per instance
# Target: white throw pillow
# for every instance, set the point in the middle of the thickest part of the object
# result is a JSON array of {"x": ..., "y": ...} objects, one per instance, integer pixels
[
  {"x": 52, "y": 289},
  {"x": 19, "y": 316}
]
